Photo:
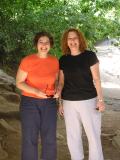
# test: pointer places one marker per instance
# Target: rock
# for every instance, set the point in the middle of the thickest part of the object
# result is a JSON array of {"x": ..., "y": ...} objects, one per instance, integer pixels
[
  {"x": 11, "y": 96},
  {"x": 108, "y": 135},
  {"x": 5, "y": 86},
  {"x": 11, "y": 115},
  {"x": 6, "y": 106},
  {"x": 116, "y": 140},
  {"x": 9, "y": 100},
  {"x": 7, "y": 127},
  {"x": 7, "y": 82},
  {"x": 109, "y": 56},
  {"x": 3, "y": 154},
  {"x": 110, "y": 121},
  {"x": 4, "y": 77},
  {"x": 60, "y": 137}
]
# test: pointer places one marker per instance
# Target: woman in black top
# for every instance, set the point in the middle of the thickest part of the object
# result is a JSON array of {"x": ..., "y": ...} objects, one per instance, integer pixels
[{"x": 80, "y": 90}]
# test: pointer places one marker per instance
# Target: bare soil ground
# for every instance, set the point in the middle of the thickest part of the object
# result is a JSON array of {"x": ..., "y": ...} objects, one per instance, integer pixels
[{"x": 12, "y": 143}]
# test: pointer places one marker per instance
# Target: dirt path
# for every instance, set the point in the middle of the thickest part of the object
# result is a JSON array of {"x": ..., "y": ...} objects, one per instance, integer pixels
[
  {"x": 110, "y": 152},
  {"x": 110, "y": 123},
  {"x": 12, "y": 140}
]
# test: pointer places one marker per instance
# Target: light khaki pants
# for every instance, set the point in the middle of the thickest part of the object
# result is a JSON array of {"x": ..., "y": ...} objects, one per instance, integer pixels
[{"x": 76, "y": 114}]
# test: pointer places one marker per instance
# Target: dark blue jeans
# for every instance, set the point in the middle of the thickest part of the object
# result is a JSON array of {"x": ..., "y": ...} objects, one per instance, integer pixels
[{"x": 38, "y": 119}]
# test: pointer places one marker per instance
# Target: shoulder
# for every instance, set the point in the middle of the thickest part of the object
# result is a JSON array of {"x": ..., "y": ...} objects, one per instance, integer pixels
[
  {"x": 53, "y": 62},
  {"x": 26, "y": 62},
  {"x": 63, "y": 60},
  {"x": 52, "y": 58},
  {"x": 92, "y": 58},
  {"x": 63, "y": 57},
  {"x": 29, "y": 57},
  {"x": 89, "y": 52}
]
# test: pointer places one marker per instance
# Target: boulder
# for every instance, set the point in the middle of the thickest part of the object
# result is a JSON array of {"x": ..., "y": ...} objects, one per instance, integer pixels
[
  {"x": 116, "y": 140},
  {"x": 11, "y": 96},
  {"x": 3, "y": 154},
  {"x": 6, "y": 82}
]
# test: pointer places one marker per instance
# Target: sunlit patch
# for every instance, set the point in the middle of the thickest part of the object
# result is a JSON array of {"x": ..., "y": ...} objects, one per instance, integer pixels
[
  {"x": 110, "y": 85},
  {"x": 109, "y": 57}
]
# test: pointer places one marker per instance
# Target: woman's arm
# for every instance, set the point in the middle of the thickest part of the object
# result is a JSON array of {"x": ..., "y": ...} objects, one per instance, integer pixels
[
  {"x": 60, "y": 82},
  {"x": 21, "y": 84},
  {"x": 96, "y": 78},
  {"x": 56, "y": 85},
  {"x": 59, "y": 90}
]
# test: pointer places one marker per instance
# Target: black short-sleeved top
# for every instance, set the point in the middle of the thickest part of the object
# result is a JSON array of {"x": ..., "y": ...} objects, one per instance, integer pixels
[{"x": 78, "y": 81}]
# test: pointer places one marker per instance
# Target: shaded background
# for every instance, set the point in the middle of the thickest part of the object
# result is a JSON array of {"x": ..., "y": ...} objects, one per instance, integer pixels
[{"x": 20, "y": 20}]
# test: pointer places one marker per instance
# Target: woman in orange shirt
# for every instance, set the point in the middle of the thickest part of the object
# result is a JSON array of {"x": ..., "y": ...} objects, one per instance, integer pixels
[{"x": 36, "y": 78}]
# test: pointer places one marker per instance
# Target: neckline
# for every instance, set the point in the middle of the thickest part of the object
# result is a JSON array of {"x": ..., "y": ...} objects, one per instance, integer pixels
[
  {"x": 41, "y": 58},
  {"x": 81, "y": 53}
]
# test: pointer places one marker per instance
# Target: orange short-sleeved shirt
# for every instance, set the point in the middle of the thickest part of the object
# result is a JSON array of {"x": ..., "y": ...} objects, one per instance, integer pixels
[{"x": 41, "y": 73}]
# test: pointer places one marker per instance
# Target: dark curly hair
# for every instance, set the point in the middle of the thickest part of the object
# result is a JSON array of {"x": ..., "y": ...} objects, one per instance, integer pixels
[{"x": 42, "y": 34}]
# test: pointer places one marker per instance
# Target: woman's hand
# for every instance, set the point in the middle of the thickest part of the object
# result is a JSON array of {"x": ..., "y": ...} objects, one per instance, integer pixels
[
  {"x": 40, "y": 94},
  {"x": 100, "y": 106},
  {"x": 60, "y": 110},
  {"x": 56, "y": 95}
]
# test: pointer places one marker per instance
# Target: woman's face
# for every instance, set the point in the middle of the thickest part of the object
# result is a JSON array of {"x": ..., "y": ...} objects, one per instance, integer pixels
[
  {"x": 73, "y": 41},
  {"x": 43, "y": 45}
]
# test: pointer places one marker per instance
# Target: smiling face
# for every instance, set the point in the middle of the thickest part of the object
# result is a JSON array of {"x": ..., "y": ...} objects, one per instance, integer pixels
[
  {"x": 73, "y": 42},
  {"x": 43, "y": 45}
]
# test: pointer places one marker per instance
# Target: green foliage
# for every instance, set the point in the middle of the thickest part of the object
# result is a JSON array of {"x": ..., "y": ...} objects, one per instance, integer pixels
[{"x": 21, "y": 19}]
